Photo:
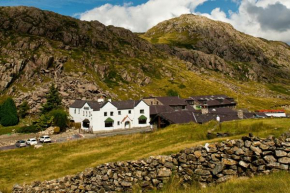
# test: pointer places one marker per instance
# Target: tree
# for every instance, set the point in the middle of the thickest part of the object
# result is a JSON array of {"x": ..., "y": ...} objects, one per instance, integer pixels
[
  {"x": 60, "y": 118},
  {"x": 8, "y": 113},
  {"x": 53, "y": 100},
  {"x": 23, "y": 109}
]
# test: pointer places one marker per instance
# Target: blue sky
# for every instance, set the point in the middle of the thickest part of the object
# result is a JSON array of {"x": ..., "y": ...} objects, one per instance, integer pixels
[
  {"x": 269, "y": 19},
  {"x": 72, "y": 7}
]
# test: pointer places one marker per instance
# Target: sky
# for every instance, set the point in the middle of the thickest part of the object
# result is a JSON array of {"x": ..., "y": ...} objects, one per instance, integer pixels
[{"x": 268, "y": 19}]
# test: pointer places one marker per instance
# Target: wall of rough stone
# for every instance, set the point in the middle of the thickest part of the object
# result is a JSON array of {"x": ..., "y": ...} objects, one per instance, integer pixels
[{"x": 212, "y": 163}]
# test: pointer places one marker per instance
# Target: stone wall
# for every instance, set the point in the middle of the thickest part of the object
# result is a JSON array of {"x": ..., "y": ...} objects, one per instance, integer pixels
[{"x": 209, "y": 164}]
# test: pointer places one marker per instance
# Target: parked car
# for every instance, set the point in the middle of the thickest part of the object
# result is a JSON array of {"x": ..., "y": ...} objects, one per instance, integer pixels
[
  {"x": 20, "y": 143},
  {"x": 31, "y": 141},
  {"x": 45, "y": 139}
]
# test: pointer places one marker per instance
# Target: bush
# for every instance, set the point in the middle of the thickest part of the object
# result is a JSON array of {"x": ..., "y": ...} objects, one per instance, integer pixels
[
  {"x": 8, "y": 113},
  {"x": 172, "y": 92},
  {"x": 28, "y": 129},
  {"x": 60, "y": 118},
  {"x": 56, "y": 130},
  {"x": 23, "y": 109},
  {"x": 77, "y": 125}
]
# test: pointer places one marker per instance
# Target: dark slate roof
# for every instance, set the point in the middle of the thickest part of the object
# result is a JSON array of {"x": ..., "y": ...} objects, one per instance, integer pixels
[
  {"x": 209, "y": 97},
  {"x": 155, "y": 109},
  {"x": 93, "y": 104},
  {"x": 78, "y": 104},
  {"x": 221, "y": 111},
  {"x": 171, "y": 101},
  {"x": 176, "y": 117},
  {"x": 129, "y": 104}
]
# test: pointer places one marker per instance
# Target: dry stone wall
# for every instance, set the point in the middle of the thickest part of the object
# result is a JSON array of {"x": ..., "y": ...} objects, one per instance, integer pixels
[{"x": 209, "y": 164}]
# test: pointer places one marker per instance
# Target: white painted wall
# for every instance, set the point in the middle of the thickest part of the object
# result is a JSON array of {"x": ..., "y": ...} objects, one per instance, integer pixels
[
  {"x": 276, "y": 114},
  {"x": 97, "y": 118},
  {"x": 80, "y": 114}
]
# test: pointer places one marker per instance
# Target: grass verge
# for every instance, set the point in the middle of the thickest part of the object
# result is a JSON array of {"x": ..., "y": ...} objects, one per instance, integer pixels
[{"x": 57, "y": 160}]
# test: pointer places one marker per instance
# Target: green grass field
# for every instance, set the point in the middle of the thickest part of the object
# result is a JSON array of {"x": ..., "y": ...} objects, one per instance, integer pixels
[
  {"x": 57, "y": 160},
  {"x": 274, "y": 183}
]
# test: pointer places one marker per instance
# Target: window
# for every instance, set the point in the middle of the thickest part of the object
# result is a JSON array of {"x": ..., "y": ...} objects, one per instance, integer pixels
[
  {"x": 83, "y": 113},
  {"x": 119, "y": 112},
  {"x": 86, "y": 113},
  {"x": 109, "y": 124},
  {"x": 118, "y": 122},
  {"x": 157, "y": 102},
  {"x": 112, "y": 114},
  {"x": 79, "y": 111},
  {"x": 151, "y": 102},
  {"x": 142, "y": 111},
  {"x": 105, "y": 114},
  {"x": 75, "y": 111},
  {"x": 86, "y": 108},
  {"x": 129, "y": 111},
  {"x": 142, "y": 121}
]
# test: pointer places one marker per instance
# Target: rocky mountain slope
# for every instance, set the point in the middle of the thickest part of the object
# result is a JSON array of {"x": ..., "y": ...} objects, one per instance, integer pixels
[
  {"x": 218, "y": 46},
  {"x": 88, "y": 59}
]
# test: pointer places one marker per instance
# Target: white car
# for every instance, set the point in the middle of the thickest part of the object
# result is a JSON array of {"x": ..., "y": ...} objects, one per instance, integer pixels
[
  {"x": 45, "y": 139},
  {"x": 31, "y": 141}
]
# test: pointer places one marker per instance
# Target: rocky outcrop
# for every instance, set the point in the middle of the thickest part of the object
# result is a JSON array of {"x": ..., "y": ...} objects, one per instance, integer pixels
[
  {"x": 209, "y": 164},
  {"x": 241, "y": 54},
  {"x": 82, "y": 58}
]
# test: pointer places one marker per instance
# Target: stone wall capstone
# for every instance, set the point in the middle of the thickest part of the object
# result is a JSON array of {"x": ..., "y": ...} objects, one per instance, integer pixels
[{"x": 210, "y": 164}]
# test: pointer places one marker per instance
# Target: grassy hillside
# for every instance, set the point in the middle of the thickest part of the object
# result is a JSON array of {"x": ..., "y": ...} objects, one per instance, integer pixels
[
  {"x": 28, "y": 164},
  {"x": 274, "y": 183}
]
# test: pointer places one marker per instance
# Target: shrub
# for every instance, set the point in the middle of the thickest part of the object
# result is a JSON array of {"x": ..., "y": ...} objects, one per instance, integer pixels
[
  {"x": 28, "y": 129},
  {"x": 8, "y": 113},
  {"x": 56, "y": 130},
  {"x": 60, "y": 118},
  {"x": 43, "y": 122},
  {"x": 23, "y": 109},
  {"x": 172, "y": 92},
  {"x": 78, "y": 125}
]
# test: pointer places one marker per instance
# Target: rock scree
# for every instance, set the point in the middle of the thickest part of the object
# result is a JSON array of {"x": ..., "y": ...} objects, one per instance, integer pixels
[{"x": 217, "y": 163}]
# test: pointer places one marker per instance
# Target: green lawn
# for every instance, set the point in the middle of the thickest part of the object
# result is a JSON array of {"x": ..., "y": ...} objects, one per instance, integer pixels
[{"x": 57, "y": 160}]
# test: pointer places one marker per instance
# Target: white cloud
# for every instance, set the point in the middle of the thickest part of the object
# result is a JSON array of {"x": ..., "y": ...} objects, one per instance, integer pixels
[
  {"x": 142, "y": 17},
  {"x": 261, "y": 18},
  {"x": 269, "y": 19}
]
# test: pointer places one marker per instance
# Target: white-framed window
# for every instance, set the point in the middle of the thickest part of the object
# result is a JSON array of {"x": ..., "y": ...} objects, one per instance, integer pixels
[
  {"x": 141, "y": 111},
  {"x": 129, "y": 111},
  {"x": 111, "y": 113},
  {"x": 119, "y": 112},
  {"x": 79, "y": 111},
  {"x": 118, "y": 122},
  {"x": 75, "y": 111},
  {"x": 105, "y": 114}
]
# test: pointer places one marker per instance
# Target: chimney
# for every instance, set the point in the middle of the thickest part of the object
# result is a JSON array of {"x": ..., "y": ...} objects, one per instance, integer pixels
[
  {"x": 240, "y": 114},
  {"x": 204, "y": 110}
]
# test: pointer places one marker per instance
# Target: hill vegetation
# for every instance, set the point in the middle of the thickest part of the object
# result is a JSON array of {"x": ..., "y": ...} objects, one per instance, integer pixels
[{"x": 88, "y": 59}]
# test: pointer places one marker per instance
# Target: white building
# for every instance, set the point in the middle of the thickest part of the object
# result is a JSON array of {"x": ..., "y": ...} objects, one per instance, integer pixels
[
  {"x": 274, "y": 113},
  {"x": 106, "y": 116}
]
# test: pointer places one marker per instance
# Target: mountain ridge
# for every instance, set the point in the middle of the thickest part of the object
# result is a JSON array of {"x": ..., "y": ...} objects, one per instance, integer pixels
[
  {"x": 191, "y": 33},
  {"x": 88, "y": 59}
]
